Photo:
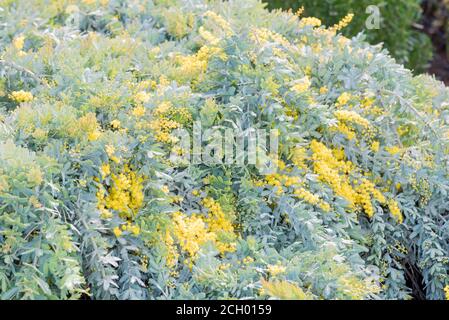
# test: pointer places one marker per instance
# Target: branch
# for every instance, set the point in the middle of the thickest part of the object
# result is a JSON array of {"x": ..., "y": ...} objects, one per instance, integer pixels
[{"x": 24, "y": 70}]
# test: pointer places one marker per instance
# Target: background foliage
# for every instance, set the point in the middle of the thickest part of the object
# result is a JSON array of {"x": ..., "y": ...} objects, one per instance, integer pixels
[{"x": 409, "y": 45}]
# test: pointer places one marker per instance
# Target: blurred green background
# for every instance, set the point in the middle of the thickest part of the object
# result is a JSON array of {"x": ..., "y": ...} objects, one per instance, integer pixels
[{"x": 414, "y": 31}]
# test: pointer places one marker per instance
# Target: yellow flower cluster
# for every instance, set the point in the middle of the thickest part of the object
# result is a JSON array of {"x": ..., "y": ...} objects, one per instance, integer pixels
[
  {"x": 351, "y": 116},
  {"x": 300, "y": 11},
  {"x": 178, "y": 23},
  {"x": 208, "y": 36},
  {"x": 446, "y": 291},
  {"x": 395, "y": 211},
  {"x": 343, "y": 23},
  {"x": 346, "y": 130},
  {"x": 105, "y": 170},
  {"x": 115, "y": 124},
  {"x": 310, "y": 21},
  {"x": 192, "y": 68},
  {"x": 393, "y": 150},
  {"x": 132, "y": 228},
  {"x": 248, "y": 260},
  {"x": 262, "y": 36},
  {"x": 280, "y": 180},
  {"x": 346, "y": 118},
  {"x": 21, "y": 96},
  {"x": 221, "y": 225},
  {"x": 276, "y": 269},
  {"x": 171, "y": 254},
  {"x": 110, "y": 151},
  {"x": 364, "y": 192},
  {"x": 34, "y": 176},
  {"x": 332, "y": 171},
  {"x": 87, "y": 125},
  {"x": 423, "y": 188},
  {"x": 191, "y": 233},
  {"x": 375, "y": 146},
  {"x": 312, "y": 199},
  {"x": 220, "y": 22},
  {"x": 162, "y": 128},
  {"x": 343, "y": 99},
  {"x": 302, "y": 86},
  {"x": 117, "y": 232},
  {"x": 164, "y": 121},
  {"x": 355, "y": 288},
  {"x": 125, "y": 195},
  {"x": 142, "y": 97},
  {"x": 298, "y": 157},
  {"x": 324, "y": 90},
  {"x": 138, "y": 111},
  {"x": 18, "y": 42}
]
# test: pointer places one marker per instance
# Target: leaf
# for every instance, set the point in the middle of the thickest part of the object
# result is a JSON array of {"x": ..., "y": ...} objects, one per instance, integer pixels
[{"x": 284, "y": 290}]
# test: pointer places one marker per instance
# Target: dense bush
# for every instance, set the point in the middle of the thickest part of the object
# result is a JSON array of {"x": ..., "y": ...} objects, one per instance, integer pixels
[
  {"x": 397, "y": 26},
  {"x": 92, "y": 205}
]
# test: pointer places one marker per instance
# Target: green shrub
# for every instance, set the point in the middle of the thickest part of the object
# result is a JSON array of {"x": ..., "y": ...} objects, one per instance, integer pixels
[
  {"x": 398, "y": 18},
  {"x": 93, "y": 204}
]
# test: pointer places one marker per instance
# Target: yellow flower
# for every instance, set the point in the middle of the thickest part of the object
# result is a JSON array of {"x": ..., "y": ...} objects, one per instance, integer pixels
[
  {"x": 323, "y": 90},
  {"x": 310, "y": 21},
  {"x": 219, "y": 21},
  {"x": 343, "y": 23},
  {"x": 105, "y": 170},
  {"x": 135, "y": 230},
  {"x": 302, "y": 85},
  {"x": 165, "y": 189},
  {"x": 375, "y": 146},
  {"x": 40, "y": 134},
  {"x": 343, "y": 99},
  {"x": 117, "y": 232},
  {"x": 105, "y": 214},
  {"x": 142, "y": 97},
  {"x": 446, "y": 291},
  {"x": 18, "y": 42},
  {"x": 248, "y": 260},
  {"x": 115, "y": 124},
  {"x": 191, "y": 233},
  {"x": 276, "y": 269},
  {"x": 125, "y": 194},
  {"x": 21, "y": 96},
  {"x": 94, "y": 135},
  {"x": 110, "y": 150},
  {"x": 35, "y": 176},
  {"x": 138, "y": 111},
  {"x": 171, "y": 255},
  {"x": 393, "y": 150},
  {"x": 34, "y": 201},
  {"x": 395, "y": 211},
  {"x": 332, "y": 171},
  {"x": 351, "y": 116}
]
